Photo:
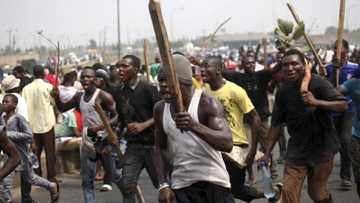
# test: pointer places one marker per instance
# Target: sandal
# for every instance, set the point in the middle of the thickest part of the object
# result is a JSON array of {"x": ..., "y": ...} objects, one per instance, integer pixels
[{"x": 54, "y": 196}]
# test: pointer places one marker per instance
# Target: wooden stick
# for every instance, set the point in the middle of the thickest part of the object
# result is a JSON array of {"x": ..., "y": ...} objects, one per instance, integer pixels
[
  {"x": 264, "y": 43},
  {"x": 164, "y": 47},
  {"x": 146, "y": 62},
  {"x": 308, "y": 41},
  {"x": 339, "y": 44},
  {"x": 112, "y": 138},
  {"x": 211, "y": 37},
  {"x": 57, "y": 68}
]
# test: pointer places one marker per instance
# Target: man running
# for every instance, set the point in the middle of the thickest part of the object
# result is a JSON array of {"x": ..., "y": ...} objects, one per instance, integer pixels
[
  {"x": 190, "y": 143},
  {"x": 93, "y": 129},
  {"x": 312, "y": 144}
]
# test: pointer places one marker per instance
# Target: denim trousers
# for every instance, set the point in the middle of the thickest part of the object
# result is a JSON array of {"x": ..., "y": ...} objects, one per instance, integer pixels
[
  {"x": 88, "y": 173},
  {"x": 136, "y": 158},
  {"x": 28, "y": 178},
  {"x": 343, "y": 125}
]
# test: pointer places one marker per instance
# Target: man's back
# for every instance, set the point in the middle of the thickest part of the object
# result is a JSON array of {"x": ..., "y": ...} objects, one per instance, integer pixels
[{"x": 39, "y": 104}]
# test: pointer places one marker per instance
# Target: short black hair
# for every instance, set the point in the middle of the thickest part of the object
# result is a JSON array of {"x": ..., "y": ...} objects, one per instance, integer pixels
[
  {"x": 295, "y": 52},
  {"x": 98, "y": 66},
  {"x": 218, "y": 61},
  {"x": 345, "y": 44},
  {"x": 13, "y": 97},
  {"x": 134, "y": 60},
  {"x": 38, "y": 71},
  {"x": 19, "y": 69}
]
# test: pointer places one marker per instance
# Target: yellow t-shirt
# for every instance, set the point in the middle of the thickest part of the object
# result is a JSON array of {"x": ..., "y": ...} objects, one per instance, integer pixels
[
  {"x": 236, "y": 103},
  {"x": 196, "y": 84}
]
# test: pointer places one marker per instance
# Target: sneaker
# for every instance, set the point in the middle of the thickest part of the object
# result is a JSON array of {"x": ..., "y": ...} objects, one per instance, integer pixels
[
  {"x": 278, "y": 189},
  {"x": 346, "y": 183},
  {"x": 106, "y": 188}
]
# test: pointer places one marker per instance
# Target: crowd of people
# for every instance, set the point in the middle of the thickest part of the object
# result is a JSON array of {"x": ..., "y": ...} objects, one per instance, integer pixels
[{"x": 236, "y": 112}]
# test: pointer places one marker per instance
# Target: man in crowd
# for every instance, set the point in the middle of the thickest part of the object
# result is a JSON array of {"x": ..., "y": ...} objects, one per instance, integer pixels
[
  {"x": 351, "y": 88},
  {"x": 18, "y": 131},
  {"x": 236, "y": 104},
  {"x": 343, "y": 120},
  {"x": 191, "y": 141},
  {"x": 19, "y": 72},
  {"x": 135, "y": 101},
  {"x": 312, "y": 144},
  {"x": 42, "y": 120},
  {"x": 93, "y": 129}
]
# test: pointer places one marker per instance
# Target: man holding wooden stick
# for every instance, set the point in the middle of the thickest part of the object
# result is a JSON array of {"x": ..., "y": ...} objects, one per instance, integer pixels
[
  {"x": 188, "y": 144},
  {"x": 94, "y": 136},
  {"x": 312, "y": 144}
]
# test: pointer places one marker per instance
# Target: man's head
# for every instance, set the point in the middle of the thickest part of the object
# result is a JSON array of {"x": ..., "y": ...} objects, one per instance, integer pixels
[
  {"x": 211, "y": 69},
  {"x": 9, "y": 103},
  {"x": 10, "y": 84},
  {"x": 102, "y": 77},
  {"x": 183, "y": 72},
  {"x": 87, "y": 78},
  {"x": 293, "y": 65},
  {"x": 18, "y": 72},
  {"x": 39, "y": 72},
  {"x": 129, "y": 66},
  {"x": 344, "y": 50},
  {"x": 249, "y": 64}
]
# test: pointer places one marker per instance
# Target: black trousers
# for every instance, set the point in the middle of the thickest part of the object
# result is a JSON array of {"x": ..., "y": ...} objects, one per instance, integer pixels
[{"x": 204, "y": 192}]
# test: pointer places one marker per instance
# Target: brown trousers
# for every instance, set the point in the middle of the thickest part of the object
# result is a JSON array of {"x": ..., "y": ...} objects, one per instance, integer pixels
[
  {"x": 317, "y": 177},
  {"x": 46, "y": 141}
]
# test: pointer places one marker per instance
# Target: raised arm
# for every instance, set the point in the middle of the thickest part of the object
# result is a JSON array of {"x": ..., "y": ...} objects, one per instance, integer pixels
[
  {"x": 212, "y": 128},
  {"x": 72, "y": 103},
  {"x": 14, "y": 157}
]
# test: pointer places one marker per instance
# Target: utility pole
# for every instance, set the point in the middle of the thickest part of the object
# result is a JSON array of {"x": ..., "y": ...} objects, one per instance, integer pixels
[
  {"x": 118, "y": 30},
  {"x": 10, "y": 40}
]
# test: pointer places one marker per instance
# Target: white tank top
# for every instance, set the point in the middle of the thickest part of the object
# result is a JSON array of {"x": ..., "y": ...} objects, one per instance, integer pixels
[
  {"x": 88, "y": 113},
  {"x": 192, "y": 158}
]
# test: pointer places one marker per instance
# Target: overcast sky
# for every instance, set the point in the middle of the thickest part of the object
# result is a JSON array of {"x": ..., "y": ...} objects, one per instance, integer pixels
[{"x": 77, "y": 21}]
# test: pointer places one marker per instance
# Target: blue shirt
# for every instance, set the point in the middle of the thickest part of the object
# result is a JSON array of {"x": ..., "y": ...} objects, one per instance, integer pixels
[
  {"x": 352, "y": 88},
  {"x": 346, "y": 73}
]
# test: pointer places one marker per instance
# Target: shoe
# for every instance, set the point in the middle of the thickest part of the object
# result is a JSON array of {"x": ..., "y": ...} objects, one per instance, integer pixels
[
  {"x": 54, "y": 195},
  {"x": 278, "y": 189},
  {"x": 106, "y": 188},
  {"x": 345, "y": 183}
]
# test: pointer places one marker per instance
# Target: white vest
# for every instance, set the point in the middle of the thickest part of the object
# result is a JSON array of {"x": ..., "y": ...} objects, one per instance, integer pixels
[{"x": 192, "y": 158}]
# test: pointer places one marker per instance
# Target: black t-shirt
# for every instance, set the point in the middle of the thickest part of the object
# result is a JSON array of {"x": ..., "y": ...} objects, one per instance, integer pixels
[
  {"x": 311, "y": 130},
  {"x": 255, "y": 85},
  {"x": 136, "y": 105}
]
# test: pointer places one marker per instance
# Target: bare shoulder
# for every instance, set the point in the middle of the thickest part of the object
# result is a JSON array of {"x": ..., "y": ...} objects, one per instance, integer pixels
[
  {"x": 209, "y": 105},
  {"x": 105, "y": 96},
  {"x": 159, "y": 107}
]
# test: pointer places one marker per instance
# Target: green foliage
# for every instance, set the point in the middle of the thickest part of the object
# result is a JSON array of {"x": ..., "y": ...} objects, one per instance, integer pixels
[
  {"x": 285, "y": 27},
  {"x": 287, "y": 34}
]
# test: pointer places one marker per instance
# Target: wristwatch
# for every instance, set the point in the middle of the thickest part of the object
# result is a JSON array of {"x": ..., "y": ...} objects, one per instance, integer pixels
[{"x": 163, "y": 185}]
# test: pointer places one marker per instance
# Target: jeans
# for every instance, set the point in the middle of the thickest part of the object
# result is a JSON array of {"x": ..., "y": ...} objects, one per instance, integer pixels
[
  {"x": 137, "y": 157},
  {"x": 317, "y": 177},
  {"x": 88, "y": 172},
  {"x": 28, "y": 178},
  {"x": 343, "y": 125}
]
